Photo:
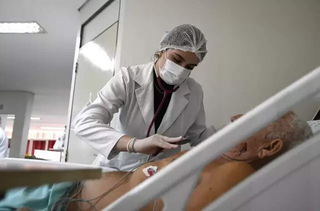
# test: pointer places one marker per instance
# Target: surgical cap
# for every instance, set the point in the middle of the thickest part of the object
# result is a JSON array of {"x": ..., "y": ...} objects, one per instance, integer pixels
[{"x": 185, "y": 38}]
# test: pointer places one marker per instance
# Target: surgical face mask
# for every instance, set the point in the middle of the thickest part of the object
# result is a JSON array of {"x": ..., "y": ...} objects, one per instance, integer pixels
[{"x": 173, "y": 73}]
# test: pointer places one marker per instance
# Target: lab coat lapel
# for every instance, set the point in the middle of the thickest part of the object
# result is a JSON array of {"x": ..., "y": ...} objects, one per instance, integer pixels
[
  {"x": 145, "y": 94},
  {"x": 177, "y": 103}
]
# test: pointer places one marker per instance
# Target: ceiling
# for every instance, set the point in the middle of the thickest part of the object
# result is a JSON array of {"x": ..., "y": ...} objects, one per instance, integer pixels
[{"x": 41, "y": 63}]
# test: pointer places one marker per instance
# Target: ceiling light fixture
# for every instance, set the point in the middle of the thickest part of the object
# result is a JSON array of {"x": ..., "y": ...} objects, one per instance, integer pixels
[
  {"x": 52, "y": 128},
  {"x": 35, "y": 118},
  {"x": 32, "y": 118},
  {"x": 21, "y": 28}
]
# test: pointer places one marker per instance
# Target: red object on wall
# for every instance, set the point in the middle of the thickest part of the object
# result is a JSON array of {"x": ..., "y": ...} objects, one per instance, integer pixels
[
  {"x": 43, "y": 145},
  {"x": 28, "y": 144},
  {"x": 33, "y": 148},
  {"x": 38, "y": 145},
  {"x": 51, "y": 144}
]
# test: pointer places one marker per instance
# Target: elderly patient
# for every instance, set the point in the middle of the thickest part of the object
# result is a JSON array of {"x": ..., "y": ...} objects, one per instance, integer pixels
[{"x": 216, "y": 178}]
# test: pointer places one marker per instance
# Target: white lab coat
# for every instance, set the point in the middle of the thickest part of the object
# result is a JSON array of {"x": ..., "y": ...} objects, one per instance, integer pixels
[
  {"x": 131, "y": 92},
  {"x": 3, "y": 144}
]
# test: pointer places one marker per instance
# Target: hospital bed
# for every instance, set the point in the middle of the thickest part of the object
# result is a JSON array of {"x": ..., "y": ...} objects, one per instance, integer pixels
[{"x": 291, "y": 182}]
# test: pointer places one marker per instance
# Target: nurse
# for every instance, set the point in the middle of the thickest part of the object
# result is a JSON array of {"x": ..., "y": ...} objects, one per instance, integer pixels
[{"x": 158, "y": 105}]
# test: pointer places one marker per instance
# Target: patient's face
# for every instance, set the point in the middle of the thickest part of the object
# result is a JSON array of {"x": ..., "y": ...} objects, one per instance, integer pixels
[{"x": 248, "y": 150}]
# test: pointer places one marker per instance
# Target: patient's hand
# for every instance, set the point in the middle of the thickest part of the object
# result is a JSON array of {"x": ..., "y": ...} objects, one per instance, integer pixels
[{"x": 235, "y": 117}]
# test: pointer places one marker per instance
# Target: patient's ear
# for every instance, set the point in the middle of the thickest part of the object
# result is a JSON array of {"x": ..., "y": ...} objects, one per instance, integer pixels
[
  {"x": 235, "y": 117},
  {"x": 270, "y": 148}
]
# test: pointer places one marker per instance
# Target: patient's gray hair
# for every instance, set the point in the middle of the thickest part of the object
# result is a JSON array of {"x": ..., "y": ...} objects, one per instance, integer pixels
[
  {"x": 302, "y": 133},
  {"x": 293, "y": 134}
]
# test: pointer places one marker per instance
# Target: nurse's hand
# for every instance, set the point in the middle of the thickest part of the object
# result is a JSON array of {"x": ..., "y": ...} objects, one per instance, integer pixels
[{"x": 155, "y": 143}]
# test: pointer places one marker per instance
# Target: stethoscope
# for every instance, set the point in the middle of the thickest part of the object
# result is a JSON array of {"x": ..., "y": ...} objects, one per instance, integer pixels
[{"x": 165, "y": 93}]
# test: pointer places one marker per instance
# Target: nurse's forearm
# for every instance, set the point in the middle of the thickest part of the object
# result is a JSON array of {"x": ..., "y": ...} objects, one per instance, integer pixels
[{"x": 122, "y": 144}]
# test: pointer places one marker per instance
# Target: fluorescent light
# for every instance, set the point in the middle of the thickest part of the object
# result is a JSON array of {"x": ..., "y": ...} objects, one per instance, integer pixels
[
  {"x": 32, "y": 118},
  {"x": 52, "y": 128},
  {"x": 21, "y": 28},
  {"x": 97, "y": 56},
  {"x": 35, "y": 118}
]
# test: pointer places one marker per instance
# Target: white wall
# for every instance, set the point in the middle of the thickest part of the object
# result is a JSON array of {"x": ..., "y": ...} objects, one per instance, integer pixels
[
  {"x": 256, "y": 47},
  {"x": 3, "y": 121}
]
